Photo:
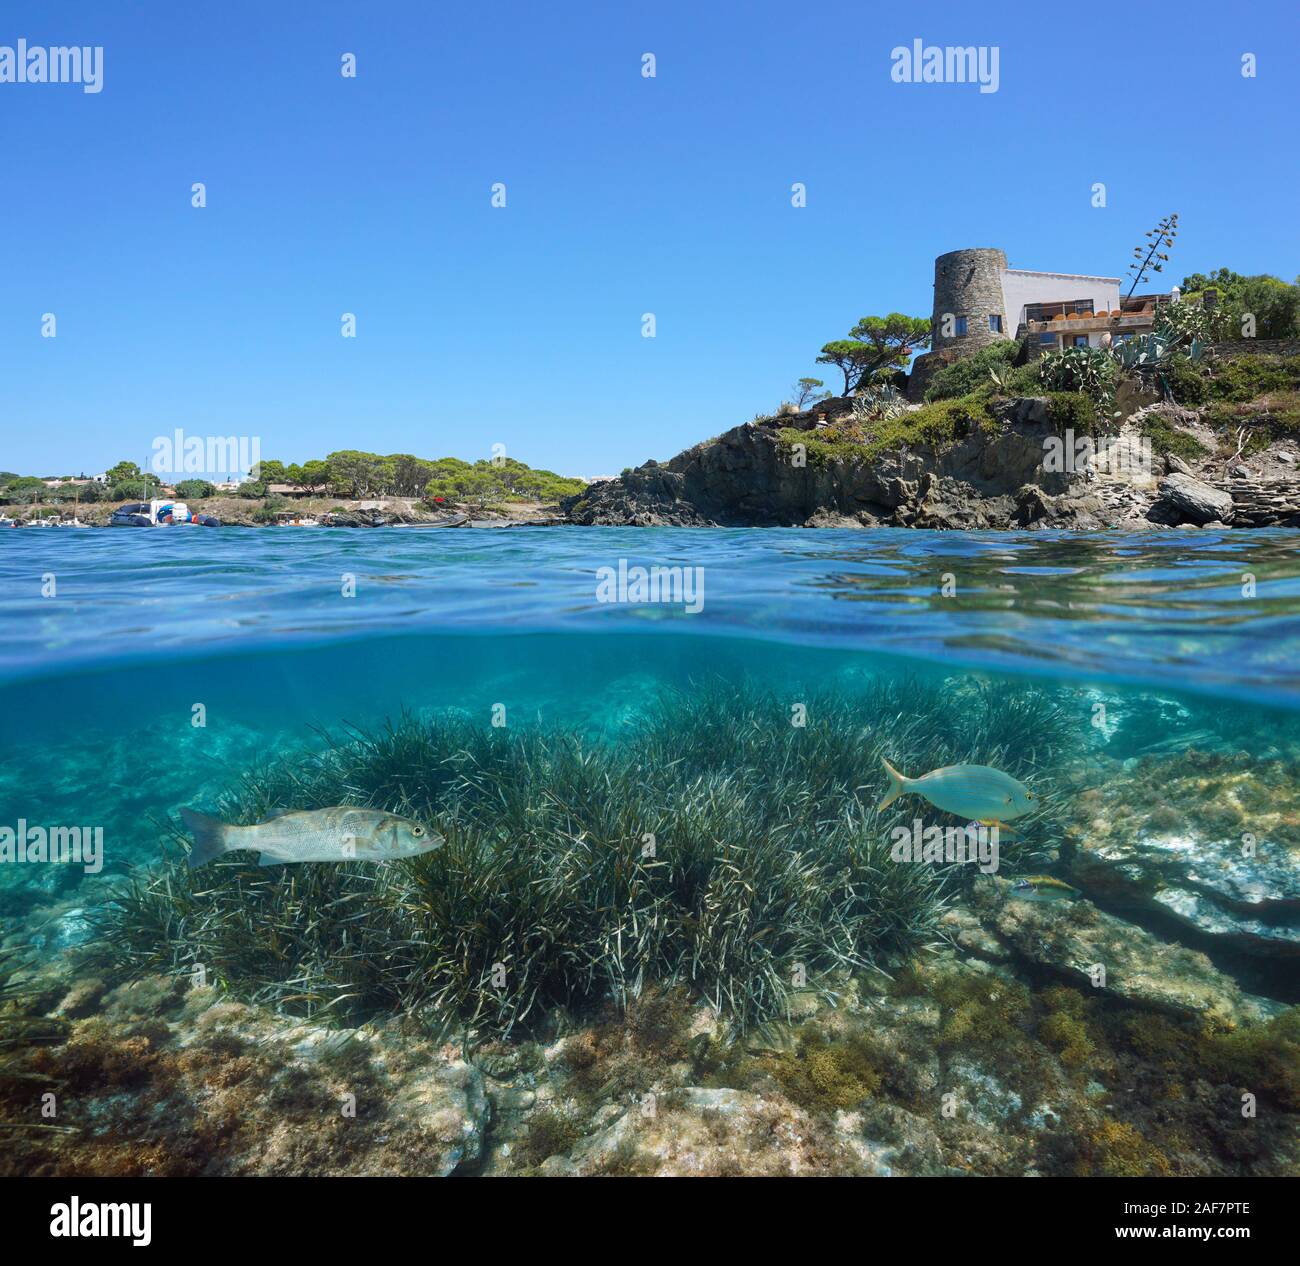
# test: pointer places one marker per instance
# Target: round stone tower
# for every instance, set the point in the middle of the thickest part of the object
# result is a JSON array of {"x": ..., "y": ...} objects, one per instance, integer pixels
[{"x": 967, "y": 292}]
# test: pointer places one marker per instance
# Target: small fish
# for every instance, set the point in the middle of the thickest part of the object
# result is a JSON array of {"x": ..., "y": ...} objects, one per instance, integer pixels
[
  {"x": 970, "y": 791},
  {"x": 342, "y": 833},
  {"x": 1043, "y": 888}
]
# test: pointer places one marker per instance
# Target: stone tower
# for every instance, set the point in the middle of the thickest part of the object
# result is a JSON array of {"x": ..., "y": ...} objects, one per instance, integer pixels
[
  {"x": 969, "y": 284},
  {"x": 967, "y": 288}
]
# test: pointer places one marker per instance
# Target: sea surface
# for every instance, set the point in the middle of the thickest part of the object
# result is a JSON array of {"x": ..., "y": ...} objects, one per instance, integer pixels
[{"x": 141, "y": 671}]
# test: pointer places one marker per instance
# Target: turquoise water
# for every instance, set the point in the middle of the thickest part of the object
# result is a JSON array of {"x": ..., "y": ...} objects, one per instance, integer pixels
[{"x": 1188, "y": 641}]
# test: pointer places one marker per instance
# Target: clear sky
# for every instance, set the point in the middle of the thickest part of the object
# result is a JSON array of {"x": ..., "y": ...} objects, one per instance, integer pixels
[{"x": 625, "y": 195}]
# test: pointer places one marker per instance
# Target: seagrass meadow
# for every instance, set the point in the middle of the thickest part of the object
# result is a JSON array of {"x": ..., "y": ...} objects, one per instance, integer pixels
[{"x": 718, "y": 845}]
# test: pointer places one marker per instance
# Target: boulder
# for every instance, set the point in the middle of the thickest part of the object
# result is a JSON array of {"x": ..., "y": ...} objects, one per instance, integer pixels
[
  {"x": 1206, "y": 839},
  {"x": 1184, "y": 499}
]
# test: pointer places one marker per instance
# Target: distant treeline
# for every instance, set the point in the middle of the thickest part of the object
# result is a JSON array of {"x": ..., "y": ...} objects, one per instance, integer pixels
[{"x": 348, "y": 473}]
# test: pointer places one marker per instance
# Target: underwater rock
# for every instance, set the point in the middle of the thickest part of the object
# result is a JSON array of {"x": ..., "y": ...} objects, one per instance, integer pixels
[
  {"x": 1073, "y": 940},
  {"x": 699, "y": 1130},
  {"x": 1208, "y": 837},
  {"x": 167, "y": 1080},
  {"x": 969, "y": 934},
  {"x": 891, "y": 1142},
  {"x": 70, "y": 928}
]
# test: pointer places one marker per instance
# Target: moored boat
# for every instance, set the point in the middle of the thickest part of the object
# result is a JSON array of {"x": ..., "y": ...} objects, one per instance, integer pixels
[{"x": 161, "y": 512}]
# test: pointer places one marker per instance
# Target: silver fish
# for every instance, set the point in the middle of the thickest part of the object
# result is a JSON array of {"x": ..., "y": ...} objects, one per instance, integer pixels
[
  {"x": 970, "y": 791},
  {"x": 341, "y": 833}
]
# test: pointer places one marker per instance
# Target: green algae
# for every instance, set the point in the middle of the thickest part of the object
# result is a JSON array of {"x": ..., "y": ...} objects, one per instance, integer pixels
[{"x": 550, "y": 1133}]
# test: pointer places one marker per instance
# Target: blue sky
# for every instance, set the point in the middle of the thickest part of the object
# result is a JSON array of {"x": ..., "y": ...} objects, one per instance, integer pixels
[{"x": 625, "y": 195}]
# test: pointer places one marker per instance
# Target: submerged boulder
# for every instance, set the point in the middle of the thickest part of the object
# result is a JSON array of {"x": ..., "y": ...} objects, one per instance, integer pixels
[
  {"x": 1075, "y": 941},
  {"x": 1208, "y": 838},
  {"x": 718, "y": 1132},
  {"x": 161, "y": 1079}
]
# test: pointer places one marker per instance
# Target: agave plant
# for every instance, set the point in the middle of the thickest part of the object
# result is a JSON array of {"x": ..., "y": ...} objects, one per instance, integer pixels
[
  {"x": 1151, "y": 353},
  {"x": 1150, "y": 357},
  {"x": 877, "y": 404}
]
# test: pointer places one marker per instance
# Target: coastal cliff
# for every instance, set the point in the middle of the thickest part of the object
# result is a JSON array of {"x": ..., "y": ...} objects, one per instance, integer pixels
[
  {"x": 989, "y": 469},
  {"x": 791, "y": 472}
]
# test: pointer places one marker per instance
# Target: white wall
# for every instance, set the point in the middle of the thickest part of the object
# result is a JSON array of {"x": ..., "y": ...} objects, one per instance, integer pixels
[{"x": 1020, "y": 287}]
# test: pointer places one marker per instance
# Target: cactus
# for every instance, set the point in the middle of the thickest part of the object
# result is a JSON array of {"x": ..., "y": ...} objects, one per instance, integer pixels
[{"x": 1085, "y": 369}]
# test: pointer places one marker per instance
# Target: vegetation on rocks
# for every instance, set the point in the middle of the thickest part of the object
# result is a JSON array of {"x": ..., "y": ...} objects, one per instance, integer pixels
[
  {"x": 1168, "y": 439},
  {"x": 972, "y": 372},
  {"x": 937, "y": 424}
]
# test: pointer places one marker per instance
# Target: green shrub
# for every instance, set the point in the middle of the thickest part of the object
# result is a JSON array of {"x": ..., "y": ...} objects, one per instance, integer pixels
[
  {"x": 1167, "y": 439},
  {"x": 194, "y": 489},
  {"x": 1020, "y": 380},
  {"x": 965, "y": 376},
  {"x": 270, "y": 509},
  {"x": 1072, "y": 410},
  {"x": 1246, "y": 378},
  {"x": 1188, "y": 383},
  {"x": 938, "y": 424},
  {"x": 1276, "y": 417}
]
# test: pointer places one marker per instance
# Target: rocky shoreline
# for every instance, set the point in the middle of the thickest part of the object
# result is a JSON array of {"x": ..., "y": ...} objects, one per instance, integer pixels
[
  {"x": 798, "y": 469},
  {"x": 753, "y": 476}
]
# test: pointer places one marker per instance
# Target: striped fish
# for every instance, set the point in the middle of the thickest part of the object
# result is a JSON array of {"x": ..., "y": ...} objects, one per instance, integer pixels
[
  {"x": 1043, "y": 888},
  {"x": 969, "y": 791}
]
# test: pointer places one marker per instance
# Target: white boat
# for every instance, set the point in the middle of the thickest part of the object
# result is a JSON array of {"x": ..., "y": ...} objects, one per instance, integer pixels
[{"x": 160, "y": 512}]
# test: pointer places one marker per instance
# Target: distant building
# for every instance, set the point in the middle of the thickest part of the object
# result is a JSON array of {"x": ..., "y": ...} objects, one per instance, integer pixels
[{"x": 979, "y": 300}]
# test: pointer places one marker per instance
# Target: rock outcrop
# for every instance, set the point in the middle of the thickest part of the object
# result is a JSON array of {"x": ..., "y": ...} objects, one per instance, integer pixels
[
  {"x": 755, "y": 475},
  {"x": 1207, "y": 839},
  {"x": 998, "y": 477}
]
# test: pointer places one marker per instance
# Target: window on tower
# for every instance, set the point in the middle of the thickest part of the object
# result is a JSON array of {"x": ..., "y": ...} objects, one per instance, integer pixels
[
  {"x": 960, "y": 326},
  {"x": 995, "y": 322}
]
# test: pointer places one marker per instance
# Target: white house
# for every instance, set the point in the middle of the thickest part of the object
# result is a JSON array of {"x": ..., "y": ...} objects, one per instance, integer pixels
[{"x": 1030, "y": 299}]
